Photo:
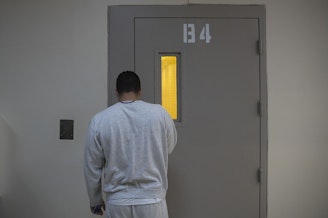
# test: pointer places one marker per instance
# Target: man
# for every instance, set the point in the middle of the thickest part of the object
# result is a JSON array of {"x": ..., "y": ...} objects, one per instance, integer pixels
[{"x": 128, "y": 143}]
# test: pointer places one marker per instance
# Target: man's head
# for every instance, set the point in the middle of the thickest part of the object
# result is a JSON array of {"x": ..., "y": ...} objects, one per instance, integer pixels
[{"x": 128, "y": 81}]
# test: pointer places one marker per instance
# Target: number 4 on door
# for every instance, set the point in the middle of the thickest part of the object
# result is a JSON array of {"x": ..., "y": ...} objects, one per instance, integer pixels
[{"x": 205, "y": 34}]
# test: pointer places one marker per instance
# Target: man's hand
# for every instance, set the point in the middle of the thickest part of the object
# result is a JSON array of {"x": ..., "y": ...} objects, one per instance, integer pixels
[{"x": 97, "y": 209}]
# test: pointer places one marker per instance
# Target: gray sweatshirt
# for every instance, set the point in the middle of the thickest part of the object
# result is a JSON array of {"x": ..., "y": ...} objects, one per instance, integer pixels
[{"x": 129, "y": 143}]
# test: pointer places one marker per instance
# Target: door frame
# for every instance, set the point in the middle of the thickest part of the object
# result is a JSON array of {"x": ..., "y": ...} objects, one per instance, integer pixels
[{"x": 121, "y": 23}]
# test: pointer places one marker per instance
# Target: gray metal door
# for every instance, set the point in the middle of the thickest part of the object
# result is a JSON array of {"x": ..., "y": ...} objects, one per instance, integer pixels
[{"x": 215, "y": 170}]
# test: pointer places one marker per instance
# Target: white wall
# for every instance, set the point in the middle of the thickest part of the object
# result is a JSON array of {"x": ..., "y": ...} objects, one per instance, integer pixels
[{"x": 53, "y": 65}]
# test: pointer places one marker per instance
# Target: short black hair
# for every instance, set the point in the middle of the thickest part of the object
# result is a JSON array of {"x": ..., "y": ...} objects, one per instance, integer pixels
[{"x": 128, "y": 81}]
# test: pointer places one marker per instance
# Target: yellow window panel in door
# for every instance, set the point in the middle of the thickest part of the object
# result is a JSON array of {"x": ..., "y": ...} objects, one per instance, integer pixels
[{"x": 169, "y": 85}]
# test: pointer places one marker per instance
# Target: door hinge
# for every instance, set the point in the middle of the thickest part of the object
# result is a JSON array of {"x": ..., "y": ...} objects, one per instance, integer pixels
[
  {"x": 259, "y": 47},
  {"x": 260, "y": 175},
  {"x": 260, "y": 108}
]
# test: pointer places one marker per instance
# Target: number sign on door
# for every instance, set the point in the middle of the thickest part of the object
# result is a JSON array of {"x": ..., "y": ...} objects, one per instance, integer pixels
[{"x": 189, "y": 33}]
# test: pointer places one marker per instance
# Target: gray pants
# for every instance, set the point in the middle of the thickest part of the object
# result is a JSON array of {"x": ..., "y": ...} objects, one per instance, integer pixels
[{"x": 157, "y": 210}]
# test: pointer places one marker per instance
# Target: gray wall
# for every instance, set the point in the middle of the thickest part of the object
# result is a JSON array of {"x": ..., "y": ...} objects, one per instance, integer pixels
[{"x": 53, "y": 65}]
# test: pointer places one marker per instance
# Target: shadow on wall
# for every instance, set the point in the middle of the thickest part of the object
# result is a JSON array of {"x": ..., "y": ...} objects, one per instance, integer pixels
[
  {"x": 15, "y": 194},
  {"x": 7, "y": 165}
]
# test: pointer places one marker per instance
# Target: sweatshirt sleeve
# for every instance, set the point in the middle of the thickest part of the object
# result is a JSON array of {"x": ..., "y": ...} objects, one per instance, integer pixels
[
  {"x": 171, "y": 133},
  {"x": 93, "y": 166}
]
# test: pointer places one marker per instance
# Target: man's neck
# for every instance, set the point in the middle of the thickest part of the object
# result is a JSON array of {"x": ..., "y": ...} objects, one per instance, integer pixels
[{"x": 128, "y": 96}]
